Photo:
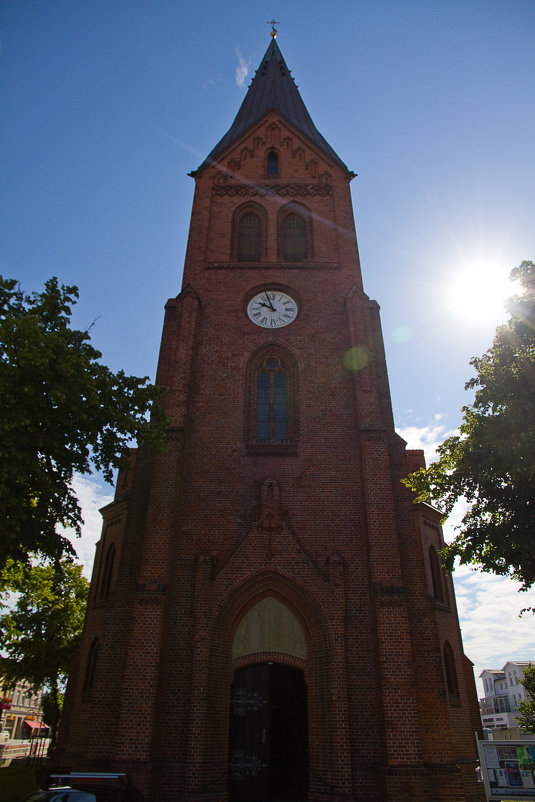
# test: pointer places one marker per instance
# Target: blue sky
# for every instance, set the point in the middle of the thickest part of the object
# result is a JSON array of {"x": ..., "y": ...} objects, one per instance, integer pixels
[{"x": 107, "y": 105}]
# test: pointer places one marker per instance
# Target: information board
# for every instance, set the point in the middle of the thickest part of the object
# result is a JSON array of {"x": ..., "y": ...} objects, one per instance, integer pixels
[{"x": 508, "y": 769}]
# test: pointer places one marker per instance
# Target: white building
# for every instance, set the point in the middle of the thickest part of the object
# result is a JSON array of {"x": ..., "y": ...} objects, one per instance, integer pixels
[
  {"x": 503, "y": 692},
  {"x": 22, "y": 730}
]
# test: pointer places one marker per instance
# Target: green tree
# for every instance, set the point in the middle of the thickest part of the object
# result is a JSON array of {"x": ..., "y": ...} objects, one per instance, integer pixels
[
  {"x": 491, "y": 462},
  {"x": 62, "y": 412},
  {"x": 526, "y": 719},
  {"x": 42, "y": 630}
]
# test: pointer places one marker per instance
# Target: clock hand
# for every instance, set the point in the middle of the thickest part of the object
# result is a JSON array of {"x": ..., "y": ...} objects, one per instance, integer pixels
[{"x": 268, "y": 299}]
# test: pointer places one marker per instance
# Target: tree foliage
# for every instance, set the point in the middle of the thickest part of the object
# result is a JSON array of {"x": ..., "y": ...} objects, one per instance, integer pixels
[
  {"x": 491, "y": 462},
  {"x": 42, "y": 630},
  {"x": 526, "y": 719},
  {"x": 63, "y": 412}
]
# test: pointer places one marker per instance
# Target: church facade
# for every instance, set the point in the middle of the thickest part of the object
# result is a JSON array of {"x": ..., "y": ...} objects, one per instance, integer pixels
[{"x": 268, "y": 617}]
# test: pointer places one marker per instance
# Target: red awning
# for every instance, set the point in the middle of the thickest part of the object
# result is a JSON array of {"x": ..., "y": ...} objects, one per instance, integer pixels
[{"x": 36, "y": 725}]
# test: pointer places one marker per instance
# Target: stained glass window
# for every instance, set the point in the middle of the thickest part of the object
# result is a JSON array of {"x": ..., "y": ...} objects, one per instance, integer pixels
[{"x": 271, "y": 402}]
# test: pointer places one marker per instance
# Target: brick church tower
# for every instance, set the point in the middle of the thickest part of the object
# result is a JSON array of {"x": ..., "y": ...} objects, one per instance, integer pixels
[{"x": 268, "y": 617}]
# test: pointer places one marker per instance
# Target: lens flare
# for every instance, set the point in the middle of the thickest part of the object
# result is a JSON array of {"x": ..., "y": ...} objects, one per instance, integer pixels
[
  {"x": 402, "y": 334},
  {"x": 356, "y": 358}
]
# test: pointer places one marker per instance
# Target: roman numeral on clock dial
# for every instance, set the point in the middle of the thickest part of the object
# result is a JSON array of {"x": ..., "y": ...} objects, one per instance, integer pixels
[{"x": 272, "y": 309}]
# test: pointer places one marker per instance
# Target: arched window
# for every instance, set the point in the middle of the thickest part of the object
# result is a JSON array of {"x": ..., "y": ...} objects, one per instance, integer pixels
[
  {"x": 272, "y": 398},
  {"x": 107, "y": 573},
  {"x": 295, "y": 233},
  {"x": 249, "y": 232},
  {"x": 271, "y": 418},
  {"x": 450, "y": 672},
  {"x": 249, "y": 238},
  {"x": 91, "y": 665},
  {"x": 272, "y": 166},
  {"x": 295, "y": 238},
  {"x": 437, "y": 577}
]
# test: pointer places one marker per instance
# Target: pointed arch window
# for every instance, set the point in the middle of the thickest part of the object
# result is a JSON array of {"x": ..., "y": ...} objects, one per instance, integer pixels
[
  {"x": 107, "y": 573},
  {"x": 437, "y": 577},
  {"x": 249, "y": 238},
  {"x": 91, "y": 665},
  {"x": 295, "y": 238},
  {"x": 249, "y": 232},
  {"x": 271, "y": 415},
  {"x": 272, "y": 165},
  {"x": 450, "y": 672},
  {"x": 272, "y": 390},
  {"x": 295, "y": 233}
]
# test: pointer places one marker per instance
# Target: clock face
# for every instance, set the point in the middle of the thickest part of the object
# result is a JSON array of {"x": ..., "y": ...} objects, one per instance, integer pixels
[{"x": 272, "y": 309}]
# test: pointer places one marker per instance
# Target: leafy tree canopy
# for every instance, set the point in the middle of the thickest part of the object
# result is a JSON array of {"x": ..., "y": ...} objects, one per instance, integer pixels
[
  {"x": 42, "y": 630},
  {"x": 491, "y": 462},
  {"x": 526, "y": 719},
  {"x": 63, "y": 412}
]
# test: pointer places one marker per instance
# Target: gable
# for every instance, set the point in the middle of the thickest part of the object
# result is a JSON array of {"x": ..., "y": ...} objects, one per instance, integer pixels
[{"x": 298, "y": 158}]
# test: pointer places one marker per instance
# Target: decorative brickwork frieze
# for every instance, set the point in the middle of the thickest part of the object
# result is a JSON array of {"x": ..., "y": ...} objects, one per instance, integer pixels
[
  {"x": 304, "y": 266},
  {"x": 276, "y": 190}
]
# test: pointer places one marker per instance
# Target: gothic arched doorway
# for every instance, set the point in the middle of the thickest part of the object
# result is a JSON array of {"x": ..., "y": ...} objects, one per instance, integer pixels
[{"x": 268, "y": 743}]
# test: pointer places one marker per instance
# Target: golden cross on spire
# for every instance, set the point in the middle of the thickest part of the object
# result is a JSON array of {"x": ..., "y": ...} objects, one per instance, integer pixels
[{"x": 273, "y": 22}]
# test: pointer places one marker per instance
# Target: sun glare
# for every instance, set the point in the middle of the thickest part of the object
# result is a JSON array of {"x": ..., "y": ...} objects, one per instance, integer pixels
[{"x": 477, "y": 292}]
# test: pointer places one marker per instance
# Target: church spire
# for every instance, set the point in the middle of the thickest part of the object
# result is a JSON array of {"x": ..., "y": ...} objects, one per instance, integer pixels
[{"x": 272, "y": 89}]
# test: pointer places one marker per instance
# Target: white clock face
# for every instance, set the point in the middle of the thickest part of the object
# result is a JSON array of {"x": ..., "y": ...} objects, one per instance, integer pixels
[{"x": 272, "y": 309}]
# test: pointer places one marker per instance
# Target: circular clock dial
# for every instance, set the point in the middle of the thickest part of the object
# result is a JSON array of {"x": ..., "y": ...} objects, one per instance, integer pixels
[{"x": 272, "y": 309}]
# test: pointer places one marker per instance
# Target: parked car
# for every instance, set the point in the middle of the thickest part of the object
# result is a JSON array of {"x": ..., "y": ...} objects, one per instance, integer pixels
[{"x": 87, "y": 787}]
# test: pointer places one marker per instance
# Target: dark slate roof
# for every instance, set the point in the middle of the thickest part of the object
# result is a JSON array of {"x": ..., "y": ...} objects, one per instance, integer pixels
[{"x": 272, "y": 89}]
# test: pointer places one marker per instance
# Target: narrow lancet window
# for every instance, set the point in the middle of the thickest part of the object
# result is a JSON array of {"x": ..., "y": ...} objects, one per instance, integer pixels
[
  {"x": 451, "y": 673},
  {"x": 436, "y": 575},
  {"x": 273, "y": 163},
  {"x": 91, "y": 665},
  {"x": 294, "y": 238},
  {"x": 107, "y": 573},
  {"x": 271, "y": 403},
  {"x": 250, "y": 238}
]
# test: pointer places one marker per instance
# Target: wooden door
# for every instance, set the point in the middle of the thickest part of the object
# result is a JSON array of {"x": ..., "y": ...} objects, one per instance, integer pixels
[{"x": 268, "y": 743}]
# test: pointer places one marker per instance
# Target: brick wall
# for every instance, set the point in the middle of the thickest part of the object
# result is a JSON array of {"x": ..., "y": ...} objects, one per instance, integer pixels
[{"x": 340, "y": 543}]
